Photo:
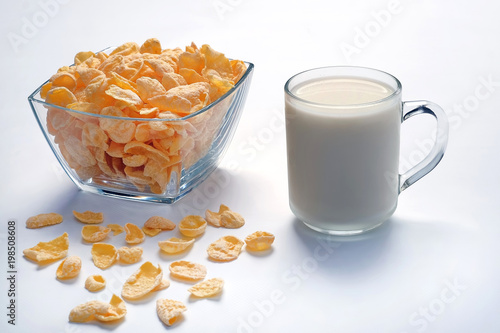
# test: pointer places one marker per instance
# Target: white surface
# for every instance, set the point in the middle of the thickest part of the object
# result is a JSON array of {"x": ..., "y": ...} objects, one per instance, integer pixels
[{"x": 444, "y": 232}]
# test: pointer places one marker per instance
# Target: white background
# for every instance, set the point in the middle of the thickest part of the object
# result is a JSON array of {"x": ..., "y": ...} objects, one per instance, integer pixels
[{"x": 432, "y": 268}]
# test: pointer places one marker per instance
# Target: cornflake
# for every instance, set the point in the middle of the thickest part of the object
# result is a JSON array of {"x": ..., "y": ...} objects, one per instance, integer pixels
[
  {"x": 89, "y": 217},
  {"x": 159, "y": 222},
  {"x": 134, "y": 234},
  {"x": 99, "y": 310},
  {"x": 231, "y": 220},
  {"x": 192, "y": 226},
  {"x": 86, "y": 312},
  {"x": 104, "y": 255},
  {"x": 208, "y": 288},
  {"x": 95, "y": 283},
  {"x": 175, "y": 245},
  {"x": 43, "y": 220},
  {"x": 129, "y": 255},
  {"x": 46, "y": 252},
  {"x": 143, "y": 281},
  {"x": 186, "y": 270},
  {"x": 226, "y": 248},
  {"x": 169, "y": 311},
  {"x": 69, "y": 268},
  {"x": 259, "y": 241},
  {"x": 94, "y": 233}
]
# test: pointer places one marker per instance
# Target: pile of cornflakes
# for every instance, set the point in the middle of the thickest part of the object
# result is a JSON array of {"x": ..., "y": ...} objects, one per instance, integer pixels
[
  {"x": 148, "y": 278},
  {"x": 138, "y": 95}
]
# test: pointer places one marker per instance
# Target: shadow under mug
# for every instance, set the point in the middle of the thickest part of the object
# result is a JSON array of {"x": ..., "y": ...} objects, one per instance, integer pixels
[{"x": 343, "y": 140}]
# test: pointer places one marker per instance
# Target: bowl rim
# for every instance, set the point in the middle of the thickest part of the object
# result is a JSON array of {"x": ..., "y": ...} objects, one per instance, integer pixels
[{"x": 244, "y": 77}]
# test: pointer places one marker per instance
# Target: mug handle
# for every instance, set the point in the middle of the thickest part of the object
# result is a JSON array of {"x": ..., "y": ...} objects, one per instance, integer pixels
[{"x": 413, "y": 108}]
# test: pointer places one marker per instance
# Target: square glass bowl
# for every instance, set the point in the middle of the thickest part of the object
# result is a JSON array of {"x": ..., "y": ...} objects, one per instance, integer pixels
[{"x": 162, "y": 169}]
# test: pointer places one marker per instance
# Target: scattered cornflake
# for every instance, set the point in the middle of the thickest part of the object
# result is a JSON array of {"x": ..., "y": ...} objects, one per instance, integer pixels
[
  {"x": 159, "y": 222},
  {"x": 134, "y": 234},
  {"x": 186, "y": 270},
  {"x": 192, "y": 226},
  {"x": 69, "y": 268},
  {"x": 226, "y": 248},
  {"x": 46, "y": 252},
  {"x": 175, "y": 245},
  {"x": 129, "y": 255},
  {"x": 94, "y": 233},
  {"x": 231, "y": 220},
  {"x": 208, "y": 288},
  {"x": 89, "y": 217},
  {"x": 43, "y": 220},
  {"x": 95, "y": 283},
  {"x": 86, "y": 312},
  {"x": 169, "y": 311},
  {"x": 259, "y": 241},
  {"x": 143, "y": 281},
  {"x": 104, "y": 255},
  {"x": 99, "y": 310}
]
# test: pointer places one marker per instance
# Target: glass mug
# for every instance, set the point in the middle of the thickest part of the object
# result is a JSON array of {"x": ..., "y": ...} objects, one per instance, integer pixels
[{"x": 343, "y": 140}]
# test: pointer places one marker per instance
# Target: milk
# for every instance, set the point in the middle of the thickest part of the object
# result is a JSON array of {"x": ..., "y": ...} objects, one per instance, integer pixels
[{"x": 343, "y": 151}]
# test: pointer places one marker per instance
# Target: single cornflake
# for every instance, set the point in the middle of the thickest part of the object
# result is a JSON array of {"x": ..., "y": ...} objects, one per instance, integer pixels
[
  {"x": 94, "y": 233},
  {"x": 208, "y": 288},
  {"x": 186, "y": 270},
  {"x": 104, "y": 255},
  {"x": 95, "y": 283},
  {"x": 226, "y": 248},
  {"x": 175, "y": 245},
  {"x": 43, "y": 220},
  {"x": 169, "y": 311},
  {"x": 46, "y": 252},
  {"x": 159, "y": 222},
  {"x": 86, "y": 312},
  {"x": 130, "y": 255},
  {"x": 99, "y": 310},
  {"x": 231, "y": 220},
  {"x": 143, "y": 281},
  {"x": 69, "y": 268},
  {"x": 192, "y": 226},
  {"x": 89, "y": 217},
  {"x": 134, "y": 234}
]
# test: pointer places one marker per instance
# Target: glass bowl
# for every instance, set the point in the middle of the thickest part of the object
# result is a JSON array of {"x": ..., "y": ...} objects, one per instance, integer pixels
[{"x": 171, "y": 159}]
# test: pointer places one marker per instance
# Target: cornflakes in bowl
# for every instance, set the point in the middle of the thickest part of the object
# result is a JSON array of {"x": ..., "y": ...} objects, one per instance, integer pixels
[{"x": 142, "y": 122}]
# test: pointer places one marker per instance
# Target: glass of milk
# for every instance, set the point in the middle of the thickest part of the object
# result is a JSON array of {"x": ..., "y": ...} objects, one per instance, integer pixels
[{"x": 343, "y": 137}]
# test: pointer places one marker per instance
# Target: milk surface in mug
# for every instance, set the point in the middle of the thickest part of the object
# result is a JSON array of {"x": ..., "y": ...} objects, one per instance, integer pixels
[{"x": 343, "y": 141}]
